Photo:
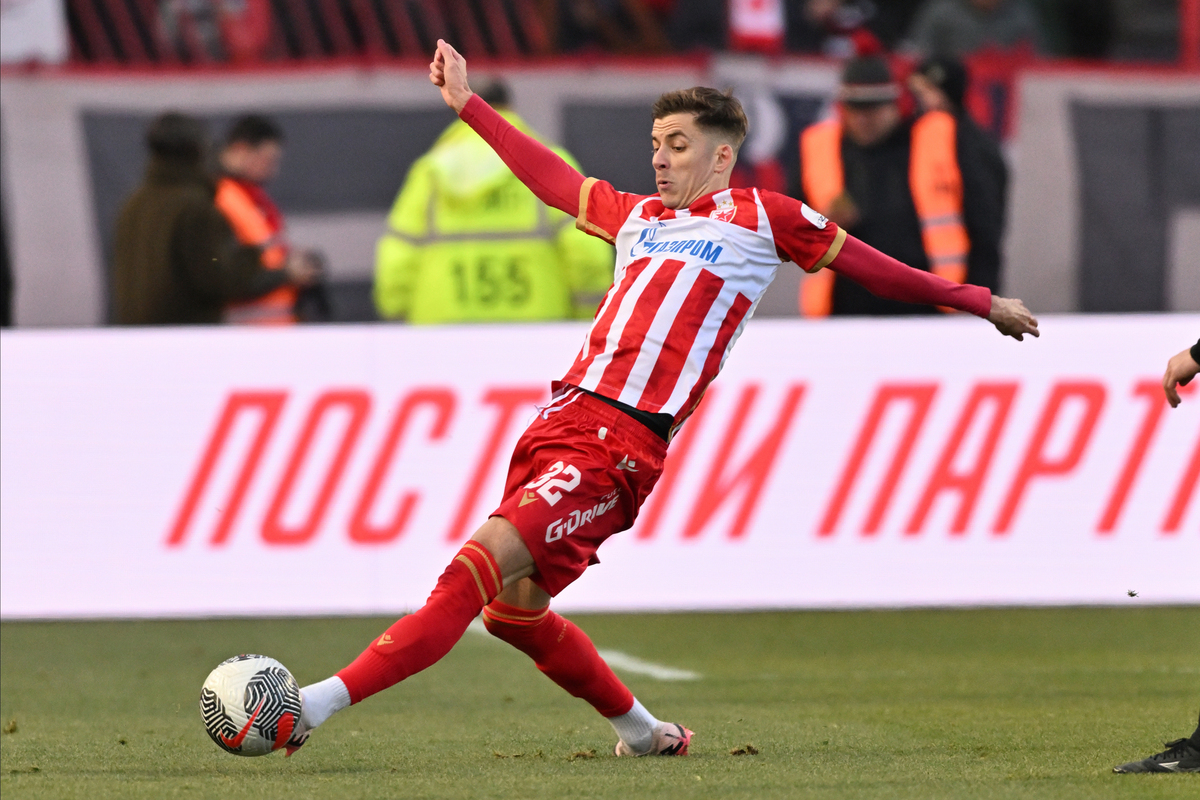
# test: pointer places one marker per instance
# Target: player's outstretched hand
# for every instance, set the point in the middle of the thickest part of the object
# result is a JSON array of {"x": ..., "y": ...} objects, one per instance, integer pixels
[
  {"x": 1012, "y": 318},
  {"x": 1180, "y": 371},
  {"x": 448, "y": 70}
]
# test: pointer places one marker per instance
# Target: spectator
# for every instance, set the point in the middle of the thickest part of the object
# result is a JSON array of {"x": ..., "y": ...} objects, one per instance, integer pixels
[
  {"x": 699, "y": 25},
  {"x": 940, "y": 84},
  {"x": 835, "y": 28},
  {"x": 957, "y": 28},
  {"x": 175, "y": 258},
  {"x": 217, "y": 30},
  {"x": 193, "y": 27},
  {"x": 756, "y": 26},
  {"x": 468, "y": 242},
  {"x": 1089, "y": 27},
  {"x": 249, "y": 160},
  {"x": 889, "y": 180},
  {"x": 618, "y": 26}
]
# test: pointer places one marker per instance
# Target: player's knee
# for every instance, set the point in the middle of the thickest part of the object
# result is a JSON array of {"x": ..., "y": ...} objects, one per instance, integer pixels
[
  {"x": 510, "y": 623},
  {"x": 502, "y": 540},
  {"x": 495, "y": 626}
]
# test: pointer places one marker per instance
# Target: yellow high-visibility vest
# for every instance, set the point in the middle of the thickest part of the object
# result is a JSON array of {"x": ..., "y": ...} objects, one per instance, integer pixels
[{"x": 468, "y": 242}]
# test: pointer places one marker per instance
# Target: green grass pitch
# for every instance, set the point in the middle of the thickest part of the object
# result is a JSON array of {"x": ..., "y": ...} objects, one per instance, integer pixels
[{"x": 1001, "y": 703}]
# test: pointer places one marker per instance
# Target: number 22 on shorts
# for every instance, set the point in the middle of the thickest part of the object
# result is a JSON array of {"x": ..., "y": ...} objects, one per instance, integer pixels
[{"x": 559, "y": 476}]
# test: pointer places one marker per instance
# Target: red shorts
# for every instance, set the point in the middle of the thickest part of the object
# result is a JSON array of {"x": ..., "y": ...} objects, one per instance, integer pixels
[{"x": 578, "y": 475}]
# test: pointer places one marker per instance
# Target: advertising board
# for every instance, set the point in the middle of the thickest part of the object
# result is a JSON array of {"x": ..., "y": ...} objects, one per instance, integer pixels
[{"x": 336, "y": 470}]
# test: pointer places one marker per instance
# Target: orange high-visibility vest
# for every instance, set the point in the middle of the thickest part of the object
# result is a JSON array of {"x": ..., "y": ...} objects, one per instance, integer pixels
[
  {"x": 251, "y": 226},
  {"x": 933, "y": 177}
]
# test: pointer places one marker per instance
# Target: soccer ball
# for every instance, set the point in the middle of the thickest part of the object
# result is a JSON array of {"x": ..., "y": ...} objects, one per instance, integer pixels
[{"x": 250, "y": 705}]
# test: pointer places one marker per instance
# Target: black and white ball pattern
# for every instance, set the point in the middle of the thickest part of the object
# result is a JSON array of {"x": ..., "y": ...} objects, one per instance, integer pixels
[{"x": 250, "y": 705}]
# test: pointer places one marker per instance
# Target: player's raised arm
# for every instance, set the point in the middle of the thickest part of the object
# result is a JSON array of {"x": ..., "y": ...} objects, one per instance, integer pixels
[
  {"x": 552, "y": 180},
  {"x": 884, "y": 276}
]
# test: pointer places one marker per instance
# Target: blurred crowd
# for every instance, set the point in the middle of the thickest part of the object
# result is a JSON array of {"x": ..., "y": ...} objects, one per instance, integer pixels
[
  {"x": 899, "y": 160},
  {"x": 837, "y": 28},
  {"x": 1068, "y": 28},
  {"x": 200, "y": 240},
  {"x": 206, "y": 31},
  {"x": 901, "y": 166}
]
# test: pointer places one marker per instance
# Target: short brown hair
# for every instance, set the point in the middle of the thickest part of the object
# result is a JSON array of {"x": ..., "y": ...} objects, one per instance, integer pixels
[{"x": 716, "y": 112}]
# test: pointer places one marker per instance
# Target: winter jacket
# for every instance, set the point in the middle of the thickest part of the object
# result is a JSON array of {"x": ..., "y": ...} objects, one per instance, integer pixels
[{"x": 175, "y": 258}]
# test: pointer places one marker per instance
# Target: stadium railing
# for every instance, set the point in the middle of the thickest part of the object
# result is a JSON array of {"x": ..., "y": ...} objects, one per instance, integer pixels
[
  {"x": 172, "y": 33},
  {"x": 200, "y": 32}
]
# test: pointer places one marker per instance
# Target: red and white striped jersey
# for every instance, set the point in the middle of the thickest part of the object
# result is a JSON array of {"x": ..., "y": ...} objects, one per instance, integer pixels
[{"x": 686, "y": 282}]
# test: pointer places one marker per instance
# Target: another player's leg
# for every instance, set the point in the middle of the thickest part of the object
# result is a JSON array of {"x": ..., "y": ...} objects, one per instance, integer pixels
[
  {"x": 1181, "y": 755},
  {"x": 496, "y": 555},
  {"x": 521, "y": 616}
]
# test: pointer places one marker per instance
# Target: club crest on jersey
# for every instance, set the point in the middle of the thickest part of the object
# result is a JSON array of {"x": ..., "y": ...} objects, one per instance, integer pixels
[{"x": 725, "y": 211}]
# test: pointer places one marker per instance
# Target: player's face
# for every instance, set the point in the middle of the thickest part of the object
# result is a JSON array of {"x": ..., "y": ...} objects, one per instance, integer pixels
[{"x": 688, "y": 163}]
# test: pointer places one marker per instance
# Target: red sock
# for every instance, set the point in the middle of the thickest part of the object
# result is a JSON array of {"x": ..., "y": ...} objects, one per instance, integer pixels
[
  {"x": 563, "y": 653},
  {"x": 420, "y": 639}
]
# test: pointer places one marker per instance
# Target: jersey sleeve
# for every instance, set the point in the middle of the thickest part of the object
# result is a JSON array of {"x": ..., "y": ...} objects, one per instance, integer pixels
[
  {"x": 884, "y": 276},
  {"x": 602, "y": 209},
  {"x": 801, "y": 235},
  {"x": 551, "y": 179}
]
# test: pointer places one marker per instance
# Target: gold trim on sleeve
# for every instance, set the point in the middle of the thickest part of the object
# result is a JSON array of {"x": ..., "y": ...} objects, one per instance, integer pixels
[
  {"x": 581, "y": 221},
  {"x": 838, "y": 240}
]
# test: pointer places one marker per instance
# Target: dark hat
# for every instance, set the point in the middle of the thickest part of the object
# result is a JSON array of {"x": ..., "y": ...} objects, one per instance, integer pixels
[
  {"x": 948, "y": 75},
  {"x": 866, "y": 81}
]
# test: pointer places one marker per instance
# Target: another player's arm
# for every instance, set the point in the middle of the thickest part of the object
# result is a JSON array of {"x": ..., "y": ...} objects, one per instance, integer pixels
[
  {"x": 552, "y": 180},
  {"x": 886, "y": 277},
  {"x": 1182, "y": 367}
]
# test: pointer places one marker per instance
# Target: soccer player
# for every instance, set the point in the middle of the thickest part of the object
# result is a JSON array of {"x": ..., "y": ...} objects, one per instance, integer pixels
[
  {"x": 691, "y": 263},
  {"x": 1181, "y": 755}
]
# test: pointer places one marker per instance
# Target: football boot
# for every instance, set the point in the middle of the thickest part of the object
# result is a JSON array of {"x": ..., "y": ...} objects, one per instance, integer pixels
[{"x": 1180, "y": 756}]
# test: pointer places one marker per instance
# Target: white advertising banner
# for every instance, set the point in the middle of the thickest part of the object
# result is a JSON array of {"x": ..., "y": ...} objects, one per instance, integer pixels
[{"x": 336, "y": 470}]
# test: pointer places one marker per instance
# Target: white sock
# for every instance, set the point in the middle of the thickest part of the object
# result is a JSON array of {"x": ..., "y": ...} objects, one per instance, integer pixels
[
  {"x": 635, "y": 727},
  {"x": 323, "y": 700}
]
